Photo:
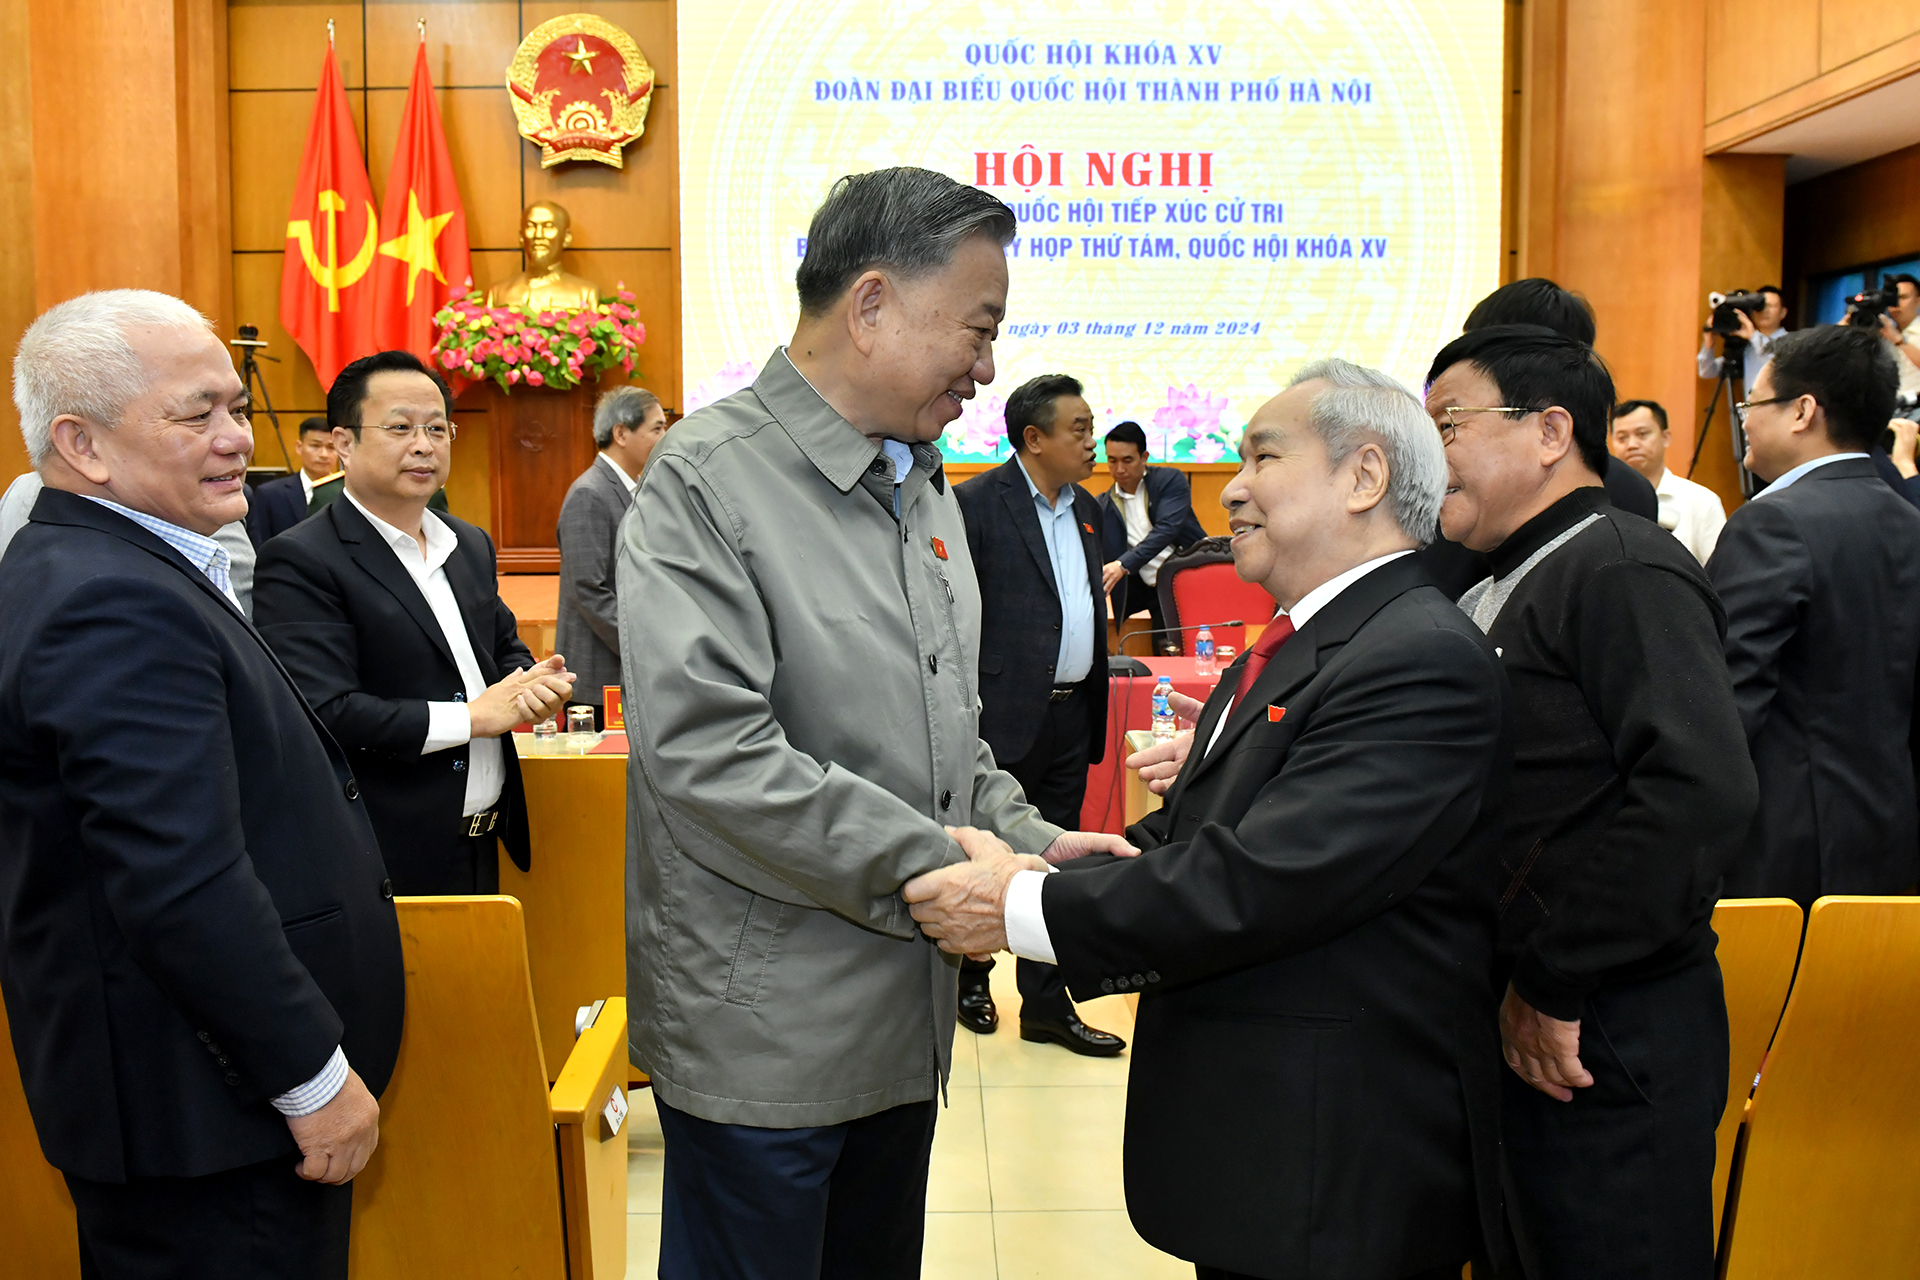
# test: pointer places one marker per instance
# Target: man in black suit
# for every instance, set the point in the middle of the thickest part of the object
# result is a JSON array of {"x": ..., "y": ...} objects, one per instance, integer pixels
[
  {"x": 200, "y": 959},
  {"x": 1315, "y": 1084},
  {"x": 280, "y": 504},
  {"x": 1147, "y": 515},
  {"x": 1043, "y": 668},
  {"x": 1820, "y": 576},
  {"x": 390, "y": 619}
]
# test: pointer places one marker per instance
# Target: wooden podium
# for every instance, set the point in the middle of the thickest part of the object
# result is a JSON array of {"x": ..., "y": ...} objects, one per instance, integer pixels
[{"x": 542, "y": 440}]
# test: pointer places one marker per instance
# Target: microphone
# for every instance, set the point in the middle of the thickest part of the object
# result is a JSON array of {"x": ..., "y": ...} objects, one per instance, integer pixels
[{"x": 1167, "y": 631}]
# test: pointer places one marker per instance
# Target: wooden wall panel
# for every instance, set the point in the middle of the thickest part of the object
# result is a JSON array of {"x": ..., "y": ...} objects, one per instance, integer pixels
[
  {"x": 1768, "y": 65},
  {"x": 1613, "y": 188},
  {"x": 1859, "y": 214},
  {"x": 277, "y": 44},
  {"x": 1754, "y": 52},
  {"x": 1851, "y": 29},
  {"x": 16, "y": 213},
  {"x": 626, "y": 221}
]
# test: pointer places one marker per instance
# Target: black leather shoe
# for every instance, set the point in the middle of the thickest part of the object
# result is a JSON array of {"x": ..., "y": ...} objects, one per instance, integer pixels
[
  {"x": 1074, "y": 1034},
  {"x": 977, "y": 1013}
]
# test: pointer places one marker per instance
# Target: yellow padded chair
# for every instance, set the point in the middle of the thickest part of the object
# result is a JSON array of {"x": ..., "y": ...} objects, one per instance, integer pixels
[
  {"x": 464, "y": 1181},
  {"x": 1759, "y": 944},
  {"x": 1825, "y": 1183}
]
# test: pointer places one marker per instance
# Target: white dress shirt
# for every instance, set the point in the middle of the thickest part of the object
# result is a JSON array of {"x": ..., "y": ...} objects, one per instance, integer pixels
[
  {"x": 1690, "y": 512},
  {"x": 1026, "y": 923},
  {"x": 449, "y": 724},
  {"x": 306, "y": 486},
  {"x": 1139, "y": 522},
  {"x": 1759, "y": 351},
  {"x": 1785, "y": 481},
  {"x": 621, "y": 473}
]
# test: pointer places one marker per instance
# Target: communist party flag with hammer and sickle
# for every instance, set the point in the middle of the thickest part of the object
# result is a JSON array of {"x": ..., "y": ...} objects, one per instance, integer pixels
[
  {"x": 326, "y": 293},
  {"x": 422, "y": 263}
]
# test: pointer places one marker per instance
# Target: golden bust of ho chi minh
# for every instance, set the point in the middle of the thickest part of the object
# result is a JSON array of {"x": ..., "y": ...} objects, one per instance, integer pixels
[{"x": 545, "y": 232}]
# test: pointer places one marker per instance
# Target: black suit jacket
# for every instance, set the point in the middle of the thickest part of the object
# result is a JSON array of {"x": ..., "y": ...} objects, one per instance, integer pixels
[
  {"x": 1821, "y": 583},
  {"x": 361, "y": 641},
  {"x": 192, "y": 904},
  {"x": 1169, "y": 505},
  {"x": 1020, "y": 611},
  {"x": 275, "y": 507},
  {"x": 1315, "y": 1078}
]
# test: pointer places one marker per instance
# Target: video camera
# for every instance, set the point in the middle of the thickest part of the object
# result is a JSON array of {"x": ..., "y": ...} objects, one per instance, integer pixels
[
  {"x": 1865, "y": 309},
  {"x": 1724, "y": 321}
]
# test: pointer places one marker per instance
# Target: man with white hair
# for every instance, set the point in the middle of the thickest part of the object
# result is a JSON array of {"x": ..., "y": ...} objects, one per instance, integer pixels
[
  {"x": 1309, "y": 926},
  {"x": 198, "y": 948}
]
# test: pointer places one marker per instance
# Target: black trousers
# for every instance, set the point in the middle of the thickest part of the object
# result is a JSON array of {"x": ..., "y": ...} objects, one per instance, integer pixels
[
  {"x": 260, "y": 1222},
  {"x": 1618, "y": 1183},
  {"x": 1053, "y": 773},
  {"x": 832, "y": 1202}
]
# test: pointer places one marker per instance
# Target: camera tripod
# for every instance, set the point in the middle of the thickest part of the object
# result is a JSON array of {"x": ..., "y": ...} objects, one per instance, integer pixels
[
  {"x": 248, "y": 342},
  {"x": 1733, "y": 356}
]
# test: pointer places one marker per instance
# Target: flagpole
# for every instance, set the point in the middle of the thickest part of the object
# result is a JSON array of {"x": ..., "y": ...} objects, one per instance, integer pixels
[{"x": 329, "y": 33}]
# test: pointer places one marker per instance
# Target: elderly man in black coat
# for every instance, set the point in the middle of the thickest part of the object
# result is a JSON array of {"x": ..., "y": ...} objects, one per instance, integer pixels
[
  {"x": 1309, "y": 925},
  {"x": 198, "y": 946}
]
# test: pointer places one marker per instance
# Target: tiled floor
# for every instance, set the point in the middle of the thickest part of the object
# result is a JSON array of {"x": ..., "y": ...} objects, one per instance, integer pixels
[{"x": 1026, "y": 1163}]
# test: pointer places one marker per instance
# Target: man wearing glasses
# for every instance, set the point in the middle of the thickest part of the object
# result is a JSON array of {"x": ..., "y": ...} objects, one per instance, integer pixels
[
  {"x": 1631, "y": 792},
  {"x": 389, "y": 618},
  {"x": 1820, "y": 575}
]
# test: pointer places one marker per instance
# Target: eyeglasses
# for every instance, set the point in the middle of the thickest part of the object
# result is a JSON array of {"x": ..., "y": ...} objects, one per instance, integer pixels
[
  {"x": 402, "y": 432},
  {"x": 1740, "y": 410},
  {"x": 1452, "y": 423}
]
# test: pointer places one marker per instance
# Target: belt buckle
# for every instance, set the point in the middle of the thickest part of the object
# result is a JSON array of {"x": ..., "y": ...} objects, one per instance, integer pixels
[{"x": 474, "y": 827}]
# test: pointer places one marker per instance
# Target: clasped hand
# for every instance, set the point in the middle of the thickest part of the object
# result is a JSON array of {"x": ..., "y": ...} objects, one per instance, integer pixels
[
  {"x": 1543, "y": 1051},
  {"x": 963, "y": 906},
  {"x": 521, "y": 697}
]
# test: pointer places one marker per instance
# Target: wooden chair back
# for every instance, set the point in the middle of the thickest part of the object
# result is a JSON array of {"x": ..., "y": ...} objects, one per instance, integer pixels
[
  {"x": 1759, "y": 944},
  {"x": 463, "y": 1182},
  {"x": 1826, "y": 1183},
  {"x": 36, "y": 1213}
]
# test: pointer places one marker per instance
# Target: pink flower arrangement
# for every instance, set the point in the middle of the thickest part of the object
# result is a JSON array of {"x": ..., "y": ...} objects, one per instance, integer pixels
[
  {"x": 979, "y": 431},
  {"x": 726, "y": 380},
  {"x": 513, "y": 345},
  {"x": 1195, "y": 417}
]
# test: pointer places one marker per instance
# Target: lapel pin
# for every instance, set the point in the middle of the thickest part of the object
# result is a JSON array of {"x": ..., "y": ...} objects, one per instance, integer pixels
[
  {"x": 1276, "y": 714},
  {"x": 940, "y": 548},
  {"x": 1086, "y": 526}
]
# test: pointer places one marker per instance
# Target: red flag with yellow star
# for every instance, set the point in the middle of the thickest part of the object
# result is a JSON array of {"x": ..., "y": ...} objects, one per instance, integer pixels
[
  {"x": 326, "y": 295},
  {"x": 422, "y": 261}
]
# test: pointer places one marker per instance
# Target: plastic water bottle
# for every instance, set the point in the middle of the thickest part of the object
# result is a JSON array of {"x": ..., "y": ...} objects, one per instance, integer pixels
[
  {"x": 1164, "y": 726},
  {"x": 1203, "y": 663}
]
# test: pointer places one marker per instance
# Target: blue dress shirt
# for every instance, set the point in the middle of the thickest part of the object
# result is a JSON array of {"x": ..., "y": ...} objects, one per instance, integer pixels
[
  {"x": 1069, "y": 557},
  {"x": 1784, "y": 481}
]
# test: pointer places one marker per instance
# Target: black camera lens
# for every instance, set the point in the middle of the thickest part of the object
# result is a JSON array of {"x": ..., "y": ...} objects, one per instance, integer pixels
[{"x": 249, "y": 332}]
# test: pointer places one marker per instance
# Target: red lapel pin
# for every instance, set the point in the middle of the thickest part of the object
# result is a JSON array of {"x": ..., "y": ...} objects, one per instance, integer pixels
[
  {"x": 940, "y": 548},
  {"x": 1276, "y": 714},
  {"x": 1087, "y": 527}
]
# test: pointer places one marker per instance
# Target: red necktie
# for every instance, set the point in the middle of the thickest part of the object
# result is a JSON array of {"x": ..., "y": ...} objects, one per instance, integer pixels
[{"x": 1262, "y": 653}]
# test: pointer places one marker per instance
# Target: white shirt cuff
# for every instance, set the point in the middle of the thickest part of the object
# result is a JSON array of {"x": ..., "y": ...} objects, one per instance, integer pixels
[
  {"x": 449, "y": 724},
  {"x": 1026, "y": 923},
  {"x": 317, "y": 1092}
]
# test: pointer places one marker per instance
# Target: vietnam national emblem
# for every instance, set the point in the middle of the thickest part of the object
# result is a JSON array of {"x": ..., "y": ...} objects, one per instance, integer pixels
[{"x": 580, "y": 88}]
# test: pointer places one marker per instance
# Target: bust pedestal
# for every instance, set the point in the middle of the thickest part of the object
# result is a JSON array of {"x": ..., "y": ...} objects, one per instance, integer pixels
[{"x": 542, "y": 441}]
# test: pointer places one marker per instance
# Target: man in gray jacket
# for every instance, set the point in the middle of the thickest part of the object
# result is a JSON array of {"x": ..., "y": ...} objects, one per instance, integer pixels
[
  {"x": 627, "y": 423},
  {"x": 796, "y": 575}
]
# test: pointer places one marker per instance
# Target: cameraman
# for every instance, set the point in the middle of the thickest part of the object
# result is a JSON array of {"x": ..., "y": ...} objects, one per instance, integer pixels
[
  {"x": 1900, "y": 326},
  {"x": 1759, "y": 330}
]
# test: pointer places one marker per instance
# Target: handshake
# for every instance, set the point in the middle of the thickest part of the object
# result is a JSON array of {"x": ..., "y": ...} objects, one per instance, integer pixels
[{"x": 963, "y": 906}]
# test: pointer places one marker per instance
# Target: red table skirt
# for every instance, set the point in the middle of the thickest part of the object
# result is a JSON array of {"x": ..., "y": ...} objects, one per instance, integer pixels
[{"x": 1130, "y": 706}]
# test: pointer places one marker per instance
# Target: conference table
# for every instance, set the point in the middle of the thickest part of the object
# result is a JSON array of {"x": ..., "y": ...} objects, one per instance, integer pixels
[{"x": 1130, "y": 707}]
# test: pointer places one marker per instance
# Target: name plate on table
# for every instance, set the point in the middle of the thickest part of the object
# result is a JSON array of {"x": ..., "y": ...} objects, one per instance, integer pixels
[{"x": 614, "y": 717}]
